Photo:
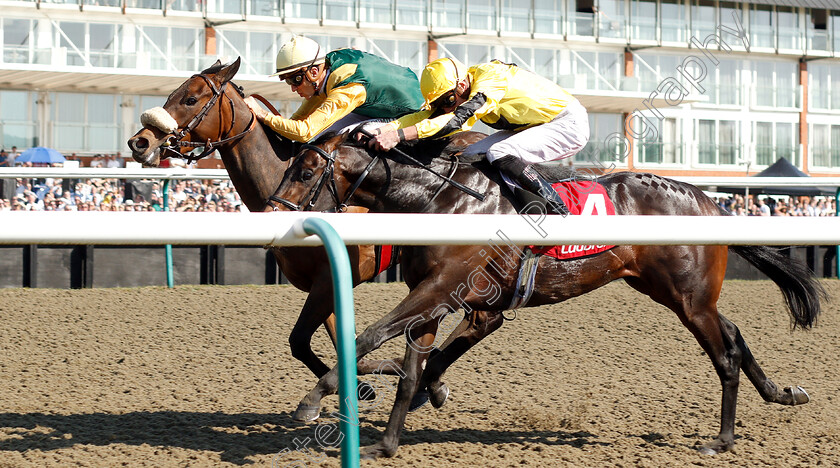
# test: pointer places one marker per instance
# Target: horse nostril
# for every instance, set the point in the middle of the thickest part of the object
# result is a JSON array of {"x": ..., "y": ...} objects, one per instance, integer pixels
[{"x": 139, "y": 144}]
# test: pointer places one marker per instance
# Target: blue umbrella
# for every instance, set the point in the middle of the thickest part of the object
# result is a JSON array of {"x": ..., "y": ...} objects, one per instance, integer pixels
[{"x": 39, "y": 154}]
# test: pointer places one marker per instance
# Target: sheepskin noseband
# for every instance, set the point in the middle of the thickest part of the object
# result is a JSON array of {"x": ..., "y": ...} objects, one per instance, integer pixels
[{"x": 159, "y": 118}]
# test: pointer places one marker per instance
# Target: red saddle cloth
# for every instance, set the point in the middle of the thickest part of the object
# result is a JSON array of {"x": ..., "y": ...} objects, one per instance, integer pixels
[
  {"x": 584, "y": 198},
  {"x": 386, "y": 257}
]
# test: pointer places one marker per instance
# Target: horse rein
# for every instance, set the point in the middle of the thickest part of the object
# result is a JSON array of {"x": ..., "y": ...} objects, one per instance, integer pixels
[{"x": 177, "y": 139}]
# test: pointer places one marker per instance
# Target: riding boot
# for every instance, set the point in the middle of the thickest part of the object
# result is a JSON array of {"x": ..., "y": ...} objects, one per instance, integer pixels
[{"x": 529, "y": 179}]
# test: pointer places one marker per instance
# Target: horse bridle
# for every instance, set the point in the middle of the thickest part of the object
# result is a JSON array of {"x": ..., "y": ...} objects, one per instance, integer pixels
[
  {"x": 177, "y": 138},
  {"x": 327, "y": 179}
]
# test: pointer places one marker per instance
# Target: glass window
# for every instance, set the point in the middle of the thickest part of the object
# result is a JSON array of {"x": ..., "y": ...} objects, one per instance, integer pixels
[
  {"x": 764, "y": 90},
  {"x": 232, "y": 43},
  {"x": 16, "y": 40},
  {"x": 481, "y": 15},
  {"x": 835, "y": 146},
  {"x": 264, "y": 7},
  {"x": 764, "y": 143},
  {"x": 663, "y": 146},
  {"x": 762, "y": 27},
  {"x": 726, "y": 11},
  {"x": 820, "y": 150},
  {"x": 339, "y": 10},
  {"x": 835, "y": 29},
  {"x": 548, "y": 16},
  {"x": 73, "y": 40},
  {"x": 375, "y": 11},
  {"x": 545, "y": 63},
  {"x": 68, "y": 124},
  {"x": 411, "y": 12},
  {"x": 103, "y": 39},
  {"x": 582, "y": 17},
  {"x": 102, "y": 108},
  {"x": 674, "y": 20},
  {"x": 703, "y": 18},
  {"x": 101, "y": 127},
  {"x": 262, "y": 56},
  {"x": 786, "y": 80},
  {"x": 611, "y": 18},
  {"x": 301, "y": 9},
  {"x": 17, "y": 127},
  {"x": 789, "y": 34},
  {"x": 184, "y": 5},
  {"x": 643, "y": 20},
  {"x": 834, "y": 83},
  {"x": 817, "y": 30},
  {"x": 412, "y": 54},
  {"x": 602, "y": 145},
  {"x": 787, "y": 142},
  {"x": 185, "y": 46},
  {"x": 515, "y": 16},
  {"x": 728, "y": 86},
  {"x": 718, "y": 142},
  {"x": 447, "y": 13},
  {"x": 819, "y": 90}
]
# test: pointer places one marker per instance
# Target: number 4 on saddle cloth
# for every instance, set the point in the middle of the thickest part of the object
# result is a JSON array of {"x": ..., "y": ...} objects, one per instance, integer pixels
[{"x": 584, "y": 198}]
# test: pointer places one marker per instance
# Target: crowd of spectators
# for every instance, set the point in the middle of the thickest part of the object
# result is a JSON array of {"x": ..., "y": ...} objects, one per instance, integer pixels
[
  {"x": 213, "y": 195},
  {"x": 778, "y": 205},
  {"x": 110, "y": 195}
]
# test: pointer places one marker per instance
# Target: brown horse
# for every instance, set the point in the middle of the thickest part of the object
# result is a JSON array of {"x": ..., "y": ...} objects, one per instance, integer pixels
[
  {"x": 686, "y": 279},
  {"x": 209, "y": 111}
]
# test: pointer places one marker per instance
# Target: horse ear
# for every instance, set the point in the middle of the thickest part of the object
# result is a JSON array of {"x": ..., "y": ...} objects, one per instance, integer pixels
[
  {"x": 228, "y": 71},
  {"x": 210, "y": 69}
]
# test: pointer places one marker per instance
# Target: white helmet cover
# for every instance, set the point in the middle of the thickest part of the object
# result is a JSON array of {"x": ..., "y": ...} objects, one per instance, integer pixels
[{"x": 297, "y": 53}]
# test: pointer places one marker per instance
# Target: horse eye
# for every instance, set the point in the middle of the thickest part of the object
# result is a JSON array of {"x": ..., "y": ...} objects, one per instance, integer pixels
[
  {"x": 306, "y": 174},
  {"x": 191, "y": 101}
]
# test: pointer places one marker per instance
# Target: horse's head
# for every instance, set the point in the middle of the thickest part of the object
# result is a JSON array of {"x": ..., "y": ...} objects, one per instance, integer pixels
[
  {"x": 194, "y": 115},
  {"x": 318, "y": 168}
]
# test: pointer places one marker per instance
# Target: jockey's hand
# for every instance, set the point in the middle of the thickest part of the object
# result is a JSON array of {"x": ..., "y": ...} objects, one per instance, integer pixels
[
  {"x": 384, "y": 141},
  {"x": 256, "y": 108}
]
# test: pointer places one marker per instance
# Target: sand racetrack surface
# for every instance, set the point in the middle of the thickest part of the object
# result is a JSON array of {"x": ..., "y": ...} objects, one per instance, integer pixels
[{"x": 203, "y": 376}]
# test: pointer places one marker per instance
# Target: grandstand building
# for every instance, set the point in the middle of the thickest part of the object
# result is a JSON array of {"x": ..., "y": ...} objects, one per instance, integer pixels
[{"x": 676, "y": 87}]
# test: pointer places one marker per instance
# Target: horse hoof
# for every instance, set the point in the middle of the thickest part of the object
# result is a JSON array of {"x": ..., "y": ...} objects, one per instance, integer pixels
[
  {"x": 375, "y": 451},
  {"x": 420, "y": 399},
  {"x": 715, "y": 447},
  {"x": 798, "y": 395},
  {"x": 440, "y": 395},
  {"x": 365, "y": 392},
  {"x": 305, "y": 413}
]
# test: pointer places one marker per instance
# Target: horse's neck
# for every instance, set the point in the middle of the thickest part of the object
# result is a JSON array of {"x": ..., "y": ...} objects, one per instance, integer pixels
[
  {"x": 412, "y": 189},
  {"x": 254, "y": 167}
]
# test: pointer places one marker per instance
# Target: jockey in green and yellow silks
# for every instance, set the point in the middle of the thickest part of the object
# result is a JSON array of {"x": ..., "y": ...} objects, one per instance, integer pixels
[{"x": 340, "y": 88}]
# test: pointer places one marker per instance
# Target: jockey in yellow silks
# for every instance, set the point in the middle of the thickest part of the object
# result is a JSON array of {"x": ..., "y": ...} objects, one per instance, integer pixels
[
  {"x": 538, "y": 120},
  {"x": 340, "y": 88}
]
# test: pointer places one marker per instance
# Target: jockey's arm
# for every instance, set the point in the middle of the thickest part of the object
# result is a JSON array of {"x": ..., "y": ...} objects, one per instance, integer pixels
[{"x": 304, "y": 126}]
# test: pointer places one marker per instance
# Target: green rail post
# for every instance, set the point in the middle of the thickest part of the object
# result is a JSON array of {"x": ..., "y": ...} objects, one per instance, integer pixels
[
  {"x": 170, "y": 282},
  {"x": 342, "y": 280}
]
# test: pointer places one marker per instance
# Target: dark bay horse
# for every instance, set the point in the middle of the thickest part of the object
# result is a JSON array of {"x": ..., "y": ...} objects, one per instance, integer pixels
[
  {"x": 209, "y": 111},
  {"x": 686, "y": 279}
]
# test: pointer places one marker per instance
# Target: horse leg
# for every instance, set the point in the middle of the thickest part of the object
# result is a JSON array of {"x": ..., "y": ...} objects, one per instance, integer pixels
[
  {"x": 416, "y": 356},
  {"x": 696, "y": 308},
  {"x": 318, "y": 309},
  {"x": 766, "y": 388},
  {"x": 468, "y": 333},
  {"x": 410, "y": 312}
]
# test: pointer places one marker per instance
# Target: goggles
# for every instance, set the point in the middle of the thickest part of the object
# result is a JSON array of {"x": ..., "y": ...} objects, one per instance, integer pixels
[
  {"x": 448, "y": 99},
  {"x": 296, "y": 79}
]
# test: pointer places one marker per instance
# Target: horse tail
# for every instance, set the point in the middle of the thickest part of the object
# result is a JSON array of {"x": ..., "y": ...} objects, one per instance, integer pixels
[{"x": 802, "y": 291}]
